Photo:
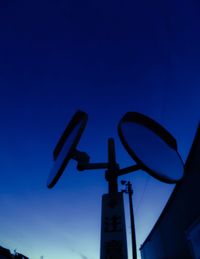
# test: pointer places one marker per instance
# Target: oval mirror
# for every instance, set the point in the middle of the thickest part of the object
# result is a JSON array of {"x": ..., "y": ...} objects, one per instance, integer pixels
[
  {"x": 66, "y": 146},
  {"x": 151, "y": 146}
]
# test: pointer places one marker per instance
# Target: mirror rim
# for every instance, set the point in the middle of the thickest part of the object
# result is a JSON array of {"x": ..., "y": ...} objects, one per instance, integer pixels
[
  {"x": 75, "y": 120},
  {"x": 78, "y": 117},
  {"x": 158, "y": 130}
]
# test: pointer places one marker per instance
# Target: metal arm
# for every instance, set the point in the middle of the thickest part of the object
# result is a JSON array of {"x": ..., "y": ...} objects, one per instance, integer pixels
[
  {"x": 90, "y": 166},
  {"x": 83, "y": 162},
  {"x": 129, "y": 169}
]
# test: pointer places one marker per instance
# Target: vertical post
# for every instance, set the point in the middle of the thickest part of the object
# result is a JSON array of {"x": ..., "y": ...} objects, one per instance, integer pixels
[
  {"x": 113, "y": 228},
  {"x": 130, "y": 193},
  {"x": 111, "y": 174}
]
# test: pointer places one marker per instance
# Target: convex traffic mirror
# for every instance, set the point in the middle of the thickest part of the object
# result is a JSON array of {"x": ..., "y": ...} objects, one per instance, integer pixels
[
  {"x": 151, "y": 146},
  {"x": 66, "y": 147}
]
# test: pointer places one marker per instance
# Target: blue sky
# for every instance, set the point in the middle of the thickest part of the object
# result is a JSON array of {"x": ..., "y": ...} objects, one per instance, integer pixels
[{"x": 106, "y": 58}]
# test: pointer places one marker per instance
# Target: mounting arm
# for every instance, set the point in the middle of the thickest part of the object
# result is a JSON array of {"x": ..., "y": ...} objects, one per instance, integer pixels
[
  {"x": 129, "y": 169},
  {"x": 83, "y": 162}
]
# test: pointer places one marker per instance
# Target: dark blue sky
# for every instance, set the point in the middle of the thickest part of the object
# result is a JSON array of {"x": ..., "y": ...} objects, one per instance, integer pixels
[{"x": 106, "y": 58}]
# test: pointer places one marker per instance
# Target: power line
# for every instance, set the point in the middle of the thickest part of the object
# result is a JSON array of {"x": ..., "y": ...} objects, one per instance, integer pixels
[{"x": 142, "y": 196}]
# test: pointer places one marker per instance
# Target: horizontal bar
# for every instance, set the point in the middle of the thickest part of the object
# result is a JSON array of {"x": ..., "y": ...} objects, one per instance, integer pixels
[
  {"x": 129, "y": 169},
  {"x": 82, "y": 167}
]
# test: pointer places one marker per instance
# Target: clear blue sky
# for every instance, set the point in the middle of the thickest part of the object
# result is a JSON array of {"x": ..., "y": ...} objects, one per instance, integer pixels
[{"x": 106, "y": 58}]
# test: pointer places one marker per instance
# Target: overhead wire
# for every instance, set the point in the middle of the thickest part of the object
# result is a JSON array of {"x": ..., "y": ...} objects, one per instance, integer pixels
[{"x": 142, "y": 195}]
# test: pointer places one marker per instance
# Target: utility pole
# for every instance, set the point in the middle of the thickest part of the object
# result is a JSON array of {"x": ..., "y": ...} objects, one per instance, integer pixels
[{"x": 129, "y": 191}]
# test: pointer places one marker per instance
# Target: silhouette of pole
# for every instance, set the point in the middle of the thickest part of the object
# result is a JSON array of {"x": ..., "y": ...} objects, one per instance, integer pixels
[
  {"x": 130, "y": 193},
  {"x": 111, "y": 173},
  {"x": 129, "y": 190}
]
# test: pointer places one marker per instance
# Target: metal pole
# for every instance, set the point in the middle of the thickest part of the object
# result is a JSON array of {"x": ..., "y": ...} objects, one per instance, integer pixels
[
  {"x": 111, "y": 174},
  {"x": 130, "y": 193}
]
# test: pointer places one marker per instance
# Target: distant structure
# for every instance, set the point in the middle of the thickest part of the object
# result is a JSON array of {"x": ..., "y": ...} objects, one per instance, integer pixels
[
  {"x": 176, "y": 233},
  {"x": 6, "y": 254},
  {"x": 19, "y": 256}
]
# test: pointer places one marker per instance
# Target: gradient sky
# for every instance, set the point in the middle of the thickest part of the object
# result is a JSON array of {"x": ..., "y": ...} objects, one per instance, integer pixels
[{"x": 105, "y": 58}]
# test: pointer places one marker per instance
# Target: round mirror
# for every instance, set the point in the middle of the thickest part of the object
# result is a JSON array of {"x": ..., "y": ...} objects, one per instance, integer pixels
[
  {"x": 151, "y": 146},
  {"x": 66, "y": 146}
]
